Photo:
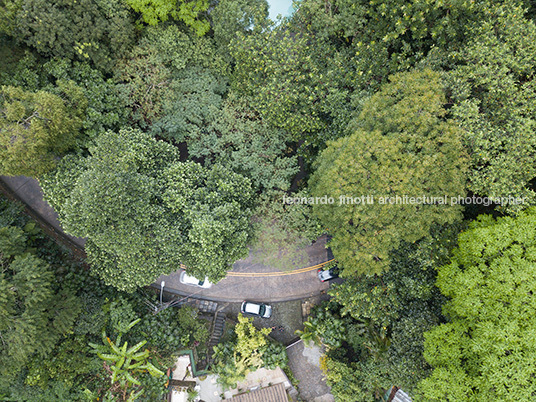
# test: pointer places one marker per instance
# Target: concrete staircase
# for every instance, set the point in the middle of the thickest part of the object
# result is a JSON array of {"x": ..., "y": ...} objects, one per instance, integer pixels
[{"x": 217, "y": 329}]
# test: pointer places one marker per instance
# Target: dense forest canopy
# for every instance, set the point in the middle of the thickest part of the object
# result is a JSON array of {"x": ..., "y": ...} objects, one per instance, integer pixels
[{"x": 169, "y": 132}]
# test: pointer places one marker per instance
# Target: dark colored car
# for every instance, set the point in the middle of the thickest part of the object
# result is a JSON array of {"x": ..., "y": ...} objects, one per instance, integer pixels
[{"x": 328, "y": 274}]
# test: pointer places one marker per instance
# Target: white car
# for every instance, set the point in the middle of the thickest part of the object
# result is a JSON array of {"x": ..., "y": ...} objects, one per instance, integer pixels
[
  {"x": 256, "y": 309},
  {"x": 193, "y": 281}
]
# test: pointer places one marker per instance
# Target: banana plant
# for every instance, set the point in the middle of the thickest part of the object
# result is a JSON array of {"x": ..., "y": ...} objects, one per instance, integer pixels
[{"x": 125, "y": 362}]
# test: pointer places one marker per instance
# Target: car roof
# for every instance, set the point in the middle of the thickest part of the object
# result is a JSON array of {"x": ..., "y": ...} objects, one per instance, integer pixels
[
  {"x": 190, "y": 279},
  {"x": 252, "y": 308}
]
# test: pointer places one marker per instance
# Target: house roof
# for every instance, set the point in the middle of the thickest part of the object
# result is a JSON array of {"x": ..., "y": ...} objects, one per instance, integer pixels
[
  {"x": 401, "y": 396},
  {"x": 274, "y": 393}
]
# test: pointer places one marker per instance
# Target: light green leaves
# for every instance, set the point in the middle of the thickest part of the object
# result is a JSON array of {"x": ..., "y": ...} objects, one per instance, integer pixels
[
  {"x": 188, "y": 11},
  {"x": 483, "y": 353},
  {"x": 250, "y": 350},
  {"x": 127, "y": 362}
]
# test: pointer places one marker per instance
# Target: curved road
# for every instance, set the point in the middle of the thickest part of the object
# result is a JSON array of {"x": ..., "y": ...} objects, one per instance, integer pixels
[{"x": 247, "y": 280}]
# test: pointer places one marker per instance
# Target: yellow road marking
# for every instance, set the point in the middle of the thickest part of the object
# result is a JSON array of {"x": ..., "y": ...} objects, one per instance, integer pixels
[{"x": 294, "y": 272}]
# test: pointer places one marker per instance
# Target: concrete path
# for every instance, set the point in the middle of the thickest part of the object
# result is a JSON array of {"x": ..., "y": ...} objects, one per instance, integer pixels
[
  {"x": 28, "y": 191},
  {"x": 247, "y": 284},
  {"x": 305, "y": 365}
]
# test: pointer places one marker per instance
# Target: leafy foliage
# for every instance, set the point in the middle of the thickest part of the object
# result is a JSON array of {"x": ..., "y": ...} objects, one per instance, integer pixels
[
  {"x": 276, "y": 70},
  {"x": 125, "y": 363},
  {"x": 344, "y": 380},
  {"x": 154, "y": 212},
  {"x": 232, "y": 17},
  {"x": 399, "y": 146},
  {"x": 214, "y": 206},
  {"x": 188, "y": 11},
  {"x": 34, "y": 311},
  {"x": 493, "y": 95},
  {"x": 249, "y": 351},
  {"x": 323, "y": 328},
  {"x": 37, "y": 127},
  {"x": 68, "y": 370},
  {"x": 485, "y": 349},
  {"x": 106, "y": 109},
  {"x": 174, "y": 329},
  {"x": 385, "y": 318},
  {"x": 197, "y": 98},
  {"x": 228, "y": 133},
  {"x": 100, "y": 31},
  {"x": 146, "y": 74}
]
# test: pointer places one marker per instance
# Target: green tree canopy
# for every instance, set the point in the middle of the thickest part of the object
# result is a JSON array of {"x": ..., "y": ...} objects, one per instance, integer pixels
[
  {"x": 37, "y": 127},
  {"x": 106, "y": 109},
  {"x": 229, "y": 133},
  {"x": 487, "y": 350},
  {"x": 193, "y": 106},
  {"x": 276, "y": 69},
  {"x": 145, "y": 76},
  {"x": 249, "y": 350},
  {"x": 101, "y": 31},
  {"x": 493, "y": 91},
  {"x": 309, "y": 73},
  {"x": 188, "y": 11},
  {"x": 212, "y": 208},
  {"x": 386, "y": 317},
  {"x": 144, "y": 212},
  {"x": 401, "y": 145},
  {"x": 232, "y": 17},
  {"x": 34, "y": 311}
]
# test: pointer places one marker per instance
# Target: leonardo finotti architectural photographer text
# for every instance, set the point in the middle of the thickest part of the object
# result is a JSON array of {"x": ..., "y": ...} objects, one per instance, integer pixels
[{"x": 403, "y": 200}]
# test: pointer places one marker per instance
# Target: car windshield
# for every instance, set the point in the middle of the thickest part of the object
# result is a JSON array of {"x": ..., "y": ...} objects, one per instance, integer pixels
[
  {"x": 262, "y": 310},
  {"x": 201, "y": 283}
]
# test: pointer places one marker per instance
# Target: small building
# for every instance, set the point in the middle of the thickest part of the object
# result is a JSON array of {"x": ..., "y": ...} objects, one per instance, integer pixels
[
  {"x": 395, "y": 394},
  {"x": 273, "y": 393}
]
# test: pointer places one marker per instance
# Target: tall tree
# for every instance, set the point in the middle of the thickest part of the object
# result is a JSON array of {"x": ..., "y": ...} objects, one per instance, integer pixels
[
  {"x": 34, "y": 311},
  {"x": 145, "y": 76},
  {"x": 401, "y": 145},
  {"x": 144, "y": 212},
  {"x": 101, "y": 31},
  {"x": 493, "y": 91},
  {"x": 38, "y": 127},
  {"x": 212, "y": 207},
  {"x": 233, "y": 17},
  {"x": 229, "y": 133},
  {"x": 187, "y": 11},
  {"x": 276, "y": 69},
  {"x": 487, "y": 350},
  {"x": 249, "y": 350}
]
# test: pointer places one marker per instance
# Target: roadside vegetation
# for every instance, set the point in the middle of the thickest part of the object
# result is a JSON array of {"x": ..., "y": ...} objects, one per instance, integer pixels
[{"x": 168, "y": 132}]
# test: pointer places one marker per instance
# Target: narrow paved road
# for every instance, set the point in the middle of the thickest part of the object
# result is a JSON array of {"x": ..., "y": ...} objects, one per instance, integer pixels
[
  {"x": 247, "y": 280},
  {"x": 241, "y": 284}
]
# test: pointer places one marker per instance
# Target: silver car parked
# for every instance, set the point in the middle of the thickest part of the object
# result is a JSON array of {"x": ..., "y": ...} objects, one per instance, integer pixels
[{"x": 256, "y": 309}]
